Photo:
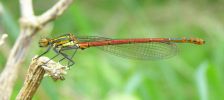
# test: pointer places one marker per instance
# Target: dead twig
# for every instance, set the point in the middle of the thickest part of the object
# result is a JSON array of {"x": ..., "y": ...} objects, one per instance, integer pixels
[
  {"x": 29, "y": 26},
  {"x": 35, "y": 74}
]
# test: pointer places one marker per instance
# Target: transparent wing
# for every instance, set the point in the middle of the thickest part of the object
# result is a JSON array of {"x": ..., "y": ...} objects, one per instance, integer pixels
[
  {"x": 92, "y": 38},
  {"x": 141, "y": 51}
]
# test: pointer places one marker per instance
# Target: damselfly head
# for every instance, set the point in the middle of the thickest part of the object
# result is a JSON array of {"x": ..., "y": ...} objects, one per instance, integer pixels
[{"x": 44, "y": 42}]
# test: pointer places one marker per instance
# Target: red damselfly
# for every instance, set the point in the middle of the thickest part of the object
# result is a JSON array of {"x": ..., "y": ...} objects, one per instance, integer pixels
[{"x": 135, "y": 48}]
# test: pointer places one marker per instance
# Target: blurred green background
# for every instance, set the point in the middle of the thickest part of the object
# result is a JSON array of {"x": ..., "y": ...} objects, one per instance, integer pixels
[{"x": 196, "y": 73}]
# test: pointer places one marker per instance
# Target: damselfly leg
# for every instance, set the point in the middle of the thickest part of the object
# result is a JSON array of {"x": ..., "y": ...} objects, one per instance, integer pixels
[
  {"x": 66, "y": 56},
  {"x": 70, "y": 58},
  {"x": 48, "y": 49},
  {"x": 52, "y": 58}
]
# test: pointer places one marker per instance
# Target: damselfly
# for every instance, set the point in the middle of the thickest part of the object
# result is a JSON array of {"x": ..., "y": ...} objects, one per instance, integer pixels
[{"x": 135, "y": 48}]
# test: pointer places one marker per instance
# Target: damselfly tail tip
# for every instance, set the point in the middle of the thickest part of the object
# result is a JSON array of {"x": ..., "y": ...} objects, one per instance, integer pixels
[{"x": 197, "y": 41}]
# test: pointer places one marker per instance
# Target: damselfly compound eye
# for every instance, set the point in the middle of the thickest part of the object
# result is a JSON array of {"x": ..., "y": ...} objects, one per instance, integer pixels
[{"x": 44, "y": 42}]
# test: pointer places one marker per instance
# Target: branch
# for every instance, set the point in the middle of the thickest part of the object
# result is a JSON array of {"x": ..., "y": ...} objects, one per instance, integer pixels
[
  {"x": 2, "y": 39},
  {"x": 35, "y": 74},
  {"x": 29, "y": 26},
  {"x": 26, "y": 8},
  {"x": 54, "y": 12}
]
